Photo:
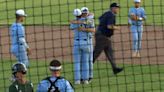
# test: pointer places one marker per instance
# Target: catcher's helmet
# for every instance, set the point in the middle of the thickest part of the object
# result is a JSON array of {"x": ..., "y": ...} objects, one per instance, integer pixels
[{"x": 19, "y": 67}]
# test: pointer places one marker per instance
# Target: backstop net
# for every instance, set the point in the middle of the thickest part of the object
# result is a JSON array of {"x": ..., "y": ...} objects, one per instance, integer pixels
[{"x": 49, "y": 37}]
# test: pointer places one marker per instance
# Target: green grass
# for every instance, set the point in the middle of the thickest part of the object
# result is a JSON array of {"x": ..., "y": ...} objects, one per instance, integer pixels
[
  {"x": 135, "y": 78},
  {"x": 60, "y": 11}
]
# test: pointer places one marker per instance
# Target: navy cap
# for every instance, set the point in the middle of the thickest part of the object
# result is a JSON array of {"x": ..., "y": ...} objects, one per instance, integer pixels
[{"x": 114, "y": 5}]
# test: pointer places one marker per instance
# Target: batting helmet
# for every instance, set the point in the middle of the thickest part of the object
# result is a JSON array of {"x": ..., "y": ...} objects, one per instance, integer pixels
[{"x": 19, "y": 67}]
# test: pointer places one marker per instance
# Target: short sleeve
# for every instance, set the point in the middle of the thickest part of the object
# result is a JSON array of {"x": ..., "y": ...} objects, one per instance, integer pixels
[
  {"x": 90, "y": 16},
  {"x": 42, "y": 87},
  {"x": 91, "y": 23},
  {"x": 12, "y": 88},
  {"x": 143, "y": 13},
  {"x": 73, "y": 26},
  {"x": 20, "y": 30},
  {"x": 129, "y": 13},
  {"x": 110, "y": 19},
  {"x": 69, "y": 87}
]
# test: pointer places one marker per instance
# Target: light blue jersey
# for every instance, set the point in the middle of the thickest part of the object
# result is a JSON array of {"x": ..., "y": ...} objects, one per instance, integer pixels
[
  {"x": 90, "y": 24},
  {"x": 82, "y": 51},
  {"x": 19, "y": 46},
  {"x": 136, "y": 27},
  {"x": 62, "y": 84},
  {"x": 140, "y": 12},
  {"x": 81, "y": 34}
]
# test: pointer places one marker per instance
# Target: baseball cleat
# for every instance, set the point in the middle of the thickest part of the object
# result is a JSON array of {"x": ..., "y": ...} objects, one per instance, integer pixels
[
  {"x": 85, "y": 82},
  {"x": 134, "y": 54},
  {"x": 90, "y": 80},
  {"x": 77, "y": 82},
  {"x": 138, "y": 55}
]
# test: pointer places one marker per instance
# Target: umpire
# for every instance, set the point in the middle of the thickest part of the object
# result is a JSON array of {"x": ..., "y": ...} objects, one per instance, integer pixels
[{"x": 104, "y": 33}]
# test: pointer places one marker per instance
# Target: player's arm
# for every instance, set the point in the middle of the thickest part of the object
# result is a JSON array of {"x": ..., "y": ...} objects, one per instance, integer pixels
[
  {"x": 132, "y": 15},
  {"x": 91, "y": 26},
  {"x": 113, "y": 27},
  {"x": 69, "y": 87},
  {"x": 90, "y": 16},
  {"x": 87, "y": 29},
  {"x": 77, "y": 22},
  {"x": 110, "y": 24},
  {"x": 74, "y": 26},
  {"x": 23, "y": 42},
  {"x": 21, "y": 36},
  {"x": 42, "y": 86},
  {"x": 143, "y": 15},
  {"x": 136, "y": 18},
  {"x": 21, "y": 39}
]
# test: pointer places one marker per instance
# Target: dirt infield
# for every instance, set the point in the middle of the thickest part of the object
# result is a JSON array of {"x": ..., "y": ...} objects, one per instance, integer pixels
[{"x": 49, "y": 42}]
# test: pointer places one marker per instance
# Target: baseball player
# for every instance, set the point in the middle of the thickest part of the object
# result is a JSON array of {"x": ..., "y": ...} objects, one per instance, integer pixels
[
  {"x": 82, "y": 50},
  {"x": 55, "y": 83},
  {"x": 136, "y": 18},
  {"x": 106, "y": 28},
  {"x": 19, "y": 47},
  {"x": 20, "y": 84},
  {"x": 88, "y": 17}
]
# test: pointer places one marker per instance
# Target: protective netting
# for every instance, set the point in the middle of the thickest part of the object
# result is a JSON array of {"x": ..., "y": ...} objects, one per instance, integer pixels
[{"x": 49, "y": 36}]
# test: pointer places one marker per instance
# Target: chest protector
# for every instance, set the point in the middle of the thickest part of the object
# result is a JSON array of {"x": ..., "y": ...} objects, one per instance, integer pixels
[{"x": 53, "y": 87}]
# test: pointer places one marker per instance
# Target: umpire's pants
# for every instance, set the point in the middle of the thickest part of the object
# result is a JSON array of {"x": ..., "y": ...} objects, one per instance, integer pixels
[{"x": 104, "y": 43}]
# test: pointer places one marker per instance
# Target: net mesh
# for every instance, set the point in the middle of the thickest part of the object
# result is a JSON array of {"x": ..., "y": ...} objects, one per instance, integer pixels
[{"x": 49, "y": 36}]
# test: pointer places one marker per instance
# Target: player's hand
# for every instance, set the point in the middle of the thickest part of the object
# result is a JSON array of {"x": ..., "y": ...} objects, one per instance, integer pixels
[
  {"x": 134, "y": 17},
  {"x": 115, "y": 27},
  {"x": 28, "y": 51},
  {"x": 82, "y": 29}
]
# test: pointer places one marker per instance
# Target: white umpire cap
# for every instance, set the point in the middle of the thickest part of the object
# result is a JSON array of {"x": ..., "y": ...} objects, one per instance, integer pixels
[
  {"x": 77, "y": 12},
  {"x": 21, "y": 12},
  {"x": 137, "y": 1},
  {"x": 84, "y": 10}
]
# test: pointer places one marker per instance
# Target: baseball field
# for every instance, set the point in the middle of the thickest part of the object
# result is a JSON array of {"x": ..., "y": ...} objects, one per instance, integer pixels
[{"x": 48, "y": 35}]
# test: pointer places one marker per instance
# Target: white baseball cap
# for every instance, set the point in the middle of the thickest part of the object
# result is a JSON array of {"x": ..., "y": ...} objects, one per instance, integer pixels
[
  {"x": 137, "y": 1},
  {"x": 21, "y": 12},
  {"x": 77, "y": 12},
  {"x": 84, "y": 10}
]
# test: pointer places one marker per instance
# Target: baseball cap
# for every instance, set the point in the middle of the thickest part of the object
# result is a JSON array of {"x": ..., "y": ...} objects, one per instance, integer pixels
[
  {"x": 55, "y": 65},
  {"x": 114, "y": 5},
  {"x": 21, "y": 12},
  {"x": 77, "y": 12},
  {"x": 137, "y": 1},
  {"x": 84, "y": 10}
]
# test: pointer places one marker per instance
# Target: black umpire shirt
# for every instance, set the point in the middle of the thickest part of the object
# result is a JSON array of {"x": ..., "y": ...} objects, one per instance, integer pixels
[{"x": 108, "y": 18}]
